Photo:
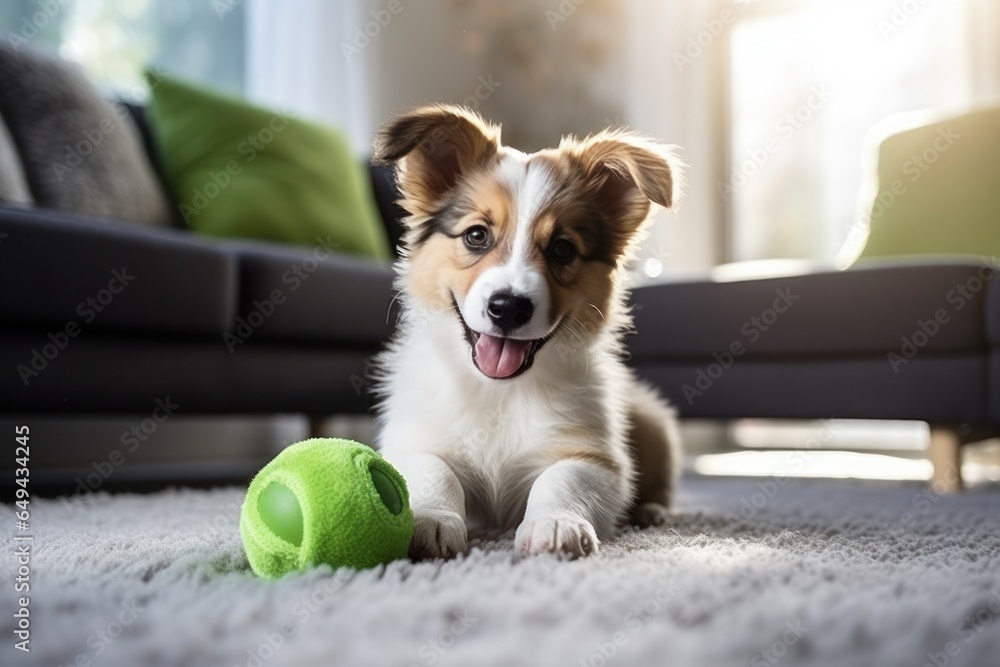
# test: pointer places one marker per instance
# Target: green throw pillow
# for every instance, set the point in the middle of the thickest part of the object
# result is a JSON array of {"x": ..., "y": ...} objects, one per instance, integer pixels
[
  {"x": 937, "y": 189},
  {"x": 240, "y": 170}
]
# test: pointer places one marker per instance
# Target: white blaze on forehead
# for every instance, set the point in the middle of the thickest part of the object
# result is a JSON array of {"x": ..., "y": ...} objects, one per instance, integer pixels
[{"x": 531, "y": 186}]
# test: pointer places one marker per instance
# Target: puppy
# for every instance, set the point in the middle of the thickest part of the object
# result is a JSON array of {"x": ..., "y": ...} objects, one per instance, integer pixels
[{"x": 503, "y": 398}]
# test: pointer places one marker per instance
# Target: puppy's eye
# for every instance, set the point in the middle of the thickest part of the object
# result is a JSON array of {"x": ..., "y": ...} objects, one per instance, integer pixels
[
  {"x": 562, "y": 251},
  {"x": 477, "y": 238}
]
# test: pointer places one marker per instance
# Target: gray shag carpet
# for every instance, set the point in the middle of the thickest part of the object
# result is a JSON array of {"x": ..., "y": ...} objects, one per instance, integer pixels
[{"x": 821, "y": 573}]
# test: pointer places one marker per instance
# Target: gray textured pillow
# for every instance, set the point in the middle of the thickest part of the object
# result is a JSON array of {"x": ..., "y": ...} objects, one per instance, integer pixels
[
  {"x": 79, "y": 153},
  {"x": 13, "y": 186}
]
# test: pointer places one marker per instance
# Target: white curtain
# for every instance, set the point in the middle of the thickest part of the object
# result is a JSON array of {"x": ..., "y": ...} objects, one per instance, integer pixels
[
  {"x": 983, "y": 21},
  {"x": 674, "y": 102},
  {"x": 296, "y": 63}
]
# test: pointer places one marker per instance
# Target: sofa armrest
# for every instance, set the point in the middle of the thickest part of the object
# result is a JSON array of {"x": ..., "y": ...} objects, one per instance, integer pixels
[{"x": 311, "y": 294}]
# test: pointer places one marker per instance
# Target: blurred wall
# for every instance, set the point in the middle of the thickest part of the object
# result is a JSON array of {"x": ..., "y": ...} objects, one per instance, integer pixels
[{"x": 545, "y": 68}]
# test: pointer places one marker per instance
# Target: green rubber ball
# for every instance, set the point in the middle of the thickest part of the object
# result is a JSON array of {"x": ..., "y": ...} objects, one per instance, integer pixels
[{"x": 329, "y": 501}]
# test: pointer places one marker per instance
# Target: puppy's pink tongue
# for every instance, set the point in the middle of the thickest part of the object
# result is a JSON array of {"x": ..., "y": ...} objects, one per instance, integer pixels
[{"x": 500, "y": 357}]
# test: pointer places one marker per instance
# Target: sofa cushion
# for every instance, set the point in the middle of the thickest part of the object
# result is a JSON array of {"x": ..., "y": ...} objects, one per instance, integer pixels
[
  {"x": 79, "y": 153},
  {"x": 885, "y": 308},
  {"x": 61, "y": 270},
  {"x": 301, "y": 293},
  {"x": 243, "y": 171}
]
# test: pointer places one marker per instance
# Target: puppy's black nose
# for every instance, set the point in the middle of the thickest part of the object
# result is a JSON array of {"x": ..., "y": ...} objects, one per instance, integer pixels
[{"x": 508, "y": 312}]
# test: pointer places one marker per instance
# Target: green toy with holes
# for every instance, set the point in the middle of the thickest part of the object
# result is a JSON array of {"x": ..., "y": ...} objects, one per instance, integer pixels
[{"x": 328, "y": 501}]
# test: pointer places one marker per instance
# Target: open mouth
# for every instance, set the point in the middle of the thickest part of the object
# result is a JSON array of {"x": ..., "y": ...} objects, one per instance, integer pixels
[{"x": 501, "y": 358}]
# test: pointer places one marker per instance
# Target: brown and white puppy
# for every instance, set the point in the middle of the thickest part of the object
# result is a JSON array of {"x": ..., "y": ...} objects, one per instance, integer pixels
[{"x": 504, "y": 399}]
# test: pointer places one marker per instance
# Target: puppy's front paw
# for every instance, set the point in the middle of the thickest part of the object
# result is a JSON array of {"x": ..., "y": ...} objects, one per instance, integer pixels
[
  {"x": 556, "y": 533},
  {"x": 438, "y": 534}
]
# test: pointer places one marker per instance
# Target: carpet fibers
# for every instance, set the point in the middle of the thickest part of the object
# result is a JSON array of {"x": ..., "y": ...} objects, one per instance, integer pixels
[{"x": 751, "y": 572}]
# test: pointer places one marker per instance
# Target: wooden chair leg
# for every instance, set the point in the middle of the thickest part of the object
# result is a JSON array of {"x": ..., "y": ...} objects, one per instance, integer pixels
[{"x": 945, "y": 453}]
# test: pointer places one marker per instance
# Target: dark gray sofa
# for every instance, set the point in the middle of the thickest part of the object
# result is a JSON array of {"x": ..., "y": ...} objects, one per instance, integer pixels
[
  {"x": 828, "y": 355},
  {"x": 170, "y": 329},
  {"x": 819, "y": 348},
  {"x": 912, "y": 340}
]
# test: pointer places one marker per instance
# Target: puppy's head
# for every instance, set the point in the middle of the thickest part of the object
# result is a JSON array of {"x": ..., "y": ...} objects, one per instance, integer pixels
[{"x": 522, "y": 247}]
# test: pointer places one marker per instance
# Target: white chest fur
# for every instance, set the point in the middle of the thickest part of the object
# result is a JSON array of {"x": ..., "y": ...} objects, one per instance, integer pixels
[{"x": 495, "y": 435}]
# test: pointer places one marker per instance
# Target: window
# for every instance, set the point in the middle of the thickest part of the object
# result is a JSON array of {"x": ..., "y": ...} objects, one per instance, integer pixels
[
  {"x": 277, "y": 54},
  {"x": 807, "y": 81},
  {"x": 114, "y": 40}
]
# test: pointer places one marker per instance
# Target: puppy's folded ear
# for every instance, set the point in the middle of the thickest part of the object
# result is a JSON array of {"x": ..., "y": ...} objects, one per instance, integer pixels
[
  {"x": 625, "y": 173},
  {"x": 432, "y": 148},
  {"x": 638, "y": 163}
]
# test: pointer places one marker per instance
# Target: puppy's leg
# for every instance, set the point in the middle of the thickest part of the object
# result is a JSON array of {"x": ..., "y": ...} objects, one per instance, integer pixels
[
  {"x": 572, "y": 504},
  {"x": 438, "y": 503},
  {"x": 654, "y": 442}
]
